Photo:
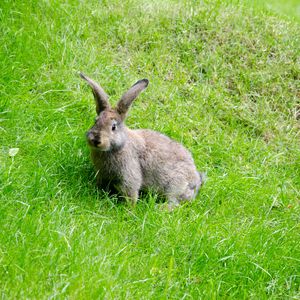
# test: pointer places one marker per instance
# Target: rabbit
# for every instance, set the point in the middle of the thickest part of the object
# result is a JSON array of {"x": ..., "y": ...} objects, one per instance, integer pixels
[{"x": 134, "y": 160}]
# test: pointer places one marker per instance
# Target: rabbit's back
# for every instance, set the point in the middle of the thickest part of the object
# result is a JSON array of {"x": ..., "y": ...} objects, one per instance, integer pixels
[{"x": 167, "y": 165}]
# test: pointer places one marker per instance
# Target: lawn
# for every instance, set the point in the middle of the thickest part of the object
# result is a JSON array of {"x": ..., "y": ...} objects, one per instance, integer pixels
[{"x": 224, "y": 81}]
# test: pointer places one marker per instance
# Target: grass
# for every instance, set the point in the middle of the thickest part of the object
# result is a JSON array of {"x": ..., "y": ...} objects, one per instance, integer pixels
[
  {"x": 290, "y": 8},
  {"x": 224, "y": 80}
]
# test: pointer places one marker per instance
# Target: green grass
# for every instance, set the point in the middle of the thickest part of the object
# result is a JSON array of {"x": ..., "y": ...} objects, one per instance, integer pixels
[
  {"x": 288, "y": 8},
  {"x": 224, "y": 80}
]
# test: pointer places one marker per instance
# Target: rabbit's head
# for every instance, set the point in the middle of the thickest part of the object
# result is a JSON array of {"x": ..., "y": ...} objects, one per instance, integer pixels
[{"x": 108, "y": 132}]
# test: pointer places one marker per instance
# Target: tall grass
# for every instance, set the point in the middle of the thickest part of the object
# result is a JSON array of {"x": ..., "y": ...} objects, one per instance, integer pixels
[{"x": 224, "y": 80}]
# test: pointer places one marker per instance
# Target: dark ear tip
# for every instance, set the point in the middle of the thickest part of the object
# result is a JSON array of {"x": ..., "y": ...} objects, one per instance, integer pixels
[
  {"x": 82, "y": 75},
  {"x": 142, "y": 82},
  {"x": 146, "y": 81}
]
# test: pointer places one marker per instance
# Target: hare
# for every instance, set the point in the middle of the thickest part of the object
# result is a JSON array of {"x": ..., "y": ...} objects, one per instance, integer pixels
[{"x": 134, "y": 160}]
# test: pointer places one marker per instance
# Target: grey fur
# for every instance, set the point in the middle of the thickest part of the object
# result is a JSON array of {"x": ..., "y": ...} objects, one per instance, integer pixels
[
  {"x": 128, "y": 97},
  {"x": 132, "y": 160},
  {"x": 100, "y": 96}
]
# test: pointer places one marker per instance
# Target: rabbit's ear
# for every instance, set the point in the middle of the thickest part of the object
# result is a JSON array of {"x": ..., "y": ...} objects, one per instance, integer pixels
[
  {"x": 127, "y": 98},
  {"x": 100, "y": 96}
]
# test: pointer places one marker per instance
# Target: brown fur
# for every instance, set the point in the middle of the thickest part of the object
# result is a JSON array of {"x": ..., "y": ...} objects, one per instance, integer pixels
[{"x": 131, "y": 160}]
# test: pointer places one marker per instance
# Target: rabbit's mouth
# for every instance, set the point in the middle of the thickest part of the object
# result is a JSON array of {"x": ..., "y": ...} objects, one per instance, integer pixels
[
  {"x": 98, "y": 146},
  {"x": 102, "y": 148}
]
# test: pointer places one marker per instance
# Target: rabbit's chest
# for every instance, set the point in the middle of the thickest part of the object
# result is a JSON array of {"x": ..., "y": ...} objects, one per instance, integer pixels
[{"x": 108, "y": 167}]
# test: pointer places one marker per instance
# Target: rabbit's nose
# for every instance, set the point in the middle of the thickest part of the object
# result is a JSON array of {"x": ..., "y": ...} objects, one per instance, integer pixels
[
  {"x": 94, "y": 139},
  {"x": 95, "y": 142}
]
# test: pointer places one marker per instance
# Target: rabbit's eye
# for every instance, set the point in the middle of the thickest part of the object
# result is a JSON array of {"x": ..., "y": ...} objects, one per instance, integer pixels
[{"x": 113, "y": 127}]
